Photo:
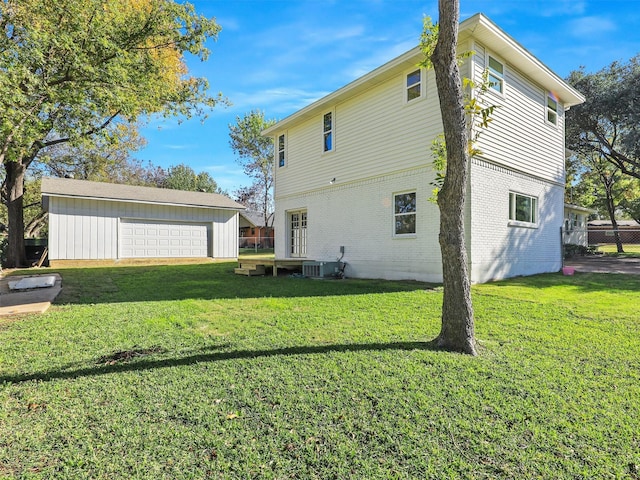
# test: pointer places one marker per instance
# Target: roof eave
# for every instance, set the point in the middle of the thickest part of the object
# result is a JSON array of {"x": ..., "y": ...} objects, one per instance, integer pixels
[
  {"x": 369, "y": 80},
  {"x": 485, "y": 31},
  {"x": 133, "y": 200},
  {"x": 479, "y": 27}
]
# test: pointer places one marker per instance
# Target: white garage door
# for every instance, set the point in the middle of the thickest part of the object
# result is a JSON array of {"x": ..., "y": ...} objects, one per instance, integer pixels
[{"x": 145, "y": 239}]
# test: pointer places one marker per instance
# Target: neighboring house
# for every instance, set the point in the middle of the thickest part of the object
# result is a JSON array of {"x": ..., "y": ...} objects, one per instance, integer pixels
[
  {"x": 353, "y": 170},
  {"x": 601, "y": 232},
  {"x": 253, "y": 232},
  {"x": 103, "y": 221},
  {"x": 574, "y": 230}
]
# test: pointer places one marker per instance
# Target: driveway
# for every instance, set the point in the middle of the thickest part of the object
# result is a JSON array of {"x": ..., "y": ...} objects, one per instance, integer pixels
[{"x": 604, "y": 264}]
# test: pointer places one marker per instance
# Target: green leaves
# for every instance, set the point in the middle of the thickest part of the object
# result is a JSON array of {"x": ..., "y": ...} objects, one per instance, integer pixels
[
  {"x": 70, "y": 66},
  {"x": 479, "y": 114}
]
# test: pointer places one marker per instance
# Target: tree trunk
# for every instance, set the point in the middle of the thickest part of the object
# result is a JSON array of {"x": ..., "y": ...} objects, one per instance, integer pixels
[
  {"x": 611, "y": 210},
  {"x": 608, "y": 182},
  {"x": 457, "y": 331},
  {"x": 14, "y": 191}
]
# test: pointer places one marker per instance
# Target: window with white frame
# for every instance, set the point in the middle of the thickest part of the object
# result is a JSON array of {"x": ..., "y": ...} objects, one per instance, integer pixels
[
  {"x": 281, "y": 150},
  {"x": 552, "y": 108},
  {"x": 496, "y": 75},
  {"x": 414, "y": 85},
  {"x": 523, "y": 208},
  {"x": 298, "y": 233},
  {"x": 327, "y": 132},
  {"x": 404, "y": 216}
]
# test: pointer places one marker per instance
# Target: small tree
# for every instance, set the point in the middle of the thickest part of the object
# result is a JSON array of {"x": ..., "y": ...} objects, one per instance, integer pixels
[{"x": 256, "y": 157}]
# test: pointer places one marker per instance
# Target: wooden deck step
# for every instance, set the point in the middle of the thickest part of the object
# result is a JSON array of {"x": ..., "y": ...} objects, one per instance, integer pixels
[{"x": 249, "y": 270}]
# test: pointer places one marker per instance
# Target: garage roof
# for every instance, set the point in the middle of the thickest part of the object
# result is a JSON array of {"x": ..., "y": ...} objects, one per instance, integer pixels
[{"x": 70, "y": 188}]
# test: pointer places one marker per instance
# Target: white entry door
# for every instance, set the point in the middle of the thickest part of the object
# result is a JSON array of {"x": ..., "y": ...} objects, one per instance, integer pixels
[
  {"x": 298, "y": 233},
  {"x": 155, "y": 239}
]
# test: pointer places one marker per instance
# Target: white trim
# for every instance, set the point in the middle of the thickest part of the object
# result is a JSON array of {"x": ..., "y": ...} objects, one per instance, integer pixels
[
  {"x": 303, "y": 240},
  {"x": 284, "y": 150},
  {"x": 503, "y": 79},
  {"x": 422, "y": 84},
  {"x": 548, "y": 110},
  {"x": 331, "y": 132},
  {"x": 146, "y": 202},
  {"x": 414, "y": 213},
  {"x": 534, "y": 211}
]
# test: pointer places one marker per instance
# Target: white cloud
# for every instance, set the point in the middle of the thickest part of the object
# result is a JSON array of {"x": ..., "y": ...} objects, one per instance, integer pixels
[
  {"x": 275, "y": 101},
  {"x": 593, "y": 26}
]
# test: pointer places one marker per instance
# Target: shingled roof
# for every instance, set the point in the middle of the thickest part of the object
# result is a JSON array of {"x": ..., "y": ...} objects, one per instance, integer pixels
[{"x": 71, "y": 188}]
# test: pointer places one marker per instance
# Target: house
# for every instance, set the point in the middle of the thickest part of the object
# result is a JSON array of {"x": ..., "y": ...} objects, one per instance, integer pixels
[
  {"x": 353, "y": 170},
  {"x": 103, "y": 221},
  {"x": 254, "y": 232},
  {"x": 574, "y": 230}
]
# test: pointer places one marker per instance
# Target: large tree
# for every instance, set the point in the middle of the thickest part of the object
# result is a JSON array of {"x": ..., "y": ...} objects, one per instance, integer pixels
[
  {"x": 457, "y": 329},
  {"x": 607, "y": 124},
  {"x": 255, "y": 154},
  {"x": 70, "y": 69},
  {"x": 183, "y": 177}
]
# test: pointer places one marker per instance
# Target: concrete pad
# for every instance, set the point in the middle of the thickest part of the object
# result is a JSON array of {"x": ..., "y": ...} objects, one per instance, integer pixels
[
  {"x": 604, "y": 264},
  {"x": 27, "y": 283},
  {"x": 31, "y": 300}
]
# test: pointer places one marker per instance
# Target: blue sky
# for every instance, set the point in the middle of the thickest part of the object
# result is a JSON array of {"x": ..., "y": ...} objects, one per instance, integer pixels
[{"x": 280, "y": 55}]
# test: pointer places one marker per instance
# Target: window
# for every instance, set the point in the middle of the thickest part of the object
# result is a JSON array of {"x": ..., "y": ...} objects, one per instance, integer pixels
[
  {"x": 327, "y": 131},
  {"x": 523, "y": 208},
  {"x": 404, "y": 213},
  {"x": 298, "y": 233},
  {"x": 496, "y": 75},
  {"x": 552, "y": 108},
  {"x": 281, "y": 150},
  {"x": 414, "y": 85}
]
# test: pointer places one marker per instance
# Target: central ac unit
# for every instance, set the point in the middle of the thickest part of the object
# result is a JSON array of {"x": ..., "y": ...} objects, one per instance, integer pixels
[{"x": 320, "y": 269}]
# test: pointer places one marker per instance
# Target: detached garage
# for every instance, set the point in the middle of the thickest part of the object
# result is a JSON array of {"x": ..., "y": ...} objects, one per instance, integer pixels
[{"x": 104, "y": 221}]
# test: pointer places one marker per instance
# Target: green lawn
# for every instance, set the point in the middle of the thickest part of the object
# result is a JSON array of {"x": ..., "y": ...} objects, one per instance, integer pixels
[
  {"x": 629, "y": 248},
  {"x": 190, "y": 371}
]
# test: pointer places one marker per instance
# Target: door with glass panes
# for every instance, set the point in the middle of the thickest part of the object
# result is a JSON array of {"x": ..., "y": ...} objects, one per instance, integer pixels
[{"x": 298, "y": 233}]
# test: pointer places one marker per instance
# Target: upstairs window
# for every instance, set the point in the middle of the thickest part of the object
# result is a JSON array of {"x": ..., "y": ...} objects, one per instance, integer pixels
[
  {"x": 404, "y": 213},
  {"x": 523, "y": 208},
  {"x": 281, "y": 151},
  {"x": 552, "y": 108},
  {"x": 414, "y": 85},
  {"x": 496, "y": 75},
  {"x": 327, "y": 132}
]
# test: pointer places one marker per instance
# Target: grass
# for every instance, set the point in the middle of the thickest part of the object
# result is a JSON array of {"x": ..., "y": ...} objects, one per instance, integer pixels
[
  {"x": 260, "y": 252},
  {"x": 630, "y": 250},
  {"x": 192, "y": 372}
]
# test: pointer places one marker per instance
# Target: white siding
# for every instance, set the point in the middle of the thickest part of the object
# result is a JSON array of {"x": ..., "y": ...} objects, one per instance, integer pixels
[
  {"x": 375, "y": 133},
  {"x": 519, "y": 137},
  {"x": 89, "y": 229}
]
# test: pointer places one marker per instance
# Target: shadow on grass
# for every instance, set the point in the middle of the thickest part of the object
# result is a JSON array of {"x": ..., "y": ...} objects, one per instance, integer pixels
[
  {"x": 583, "y": 282},
  {"x": 102, "y": 368},
  {"x": 203, "y": 281}
]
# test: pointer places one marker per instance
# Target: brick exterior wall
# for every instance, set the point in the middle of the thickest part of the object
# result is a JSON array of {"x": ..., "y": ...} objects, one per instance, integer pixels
[{"x": 500, "y": 248}]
